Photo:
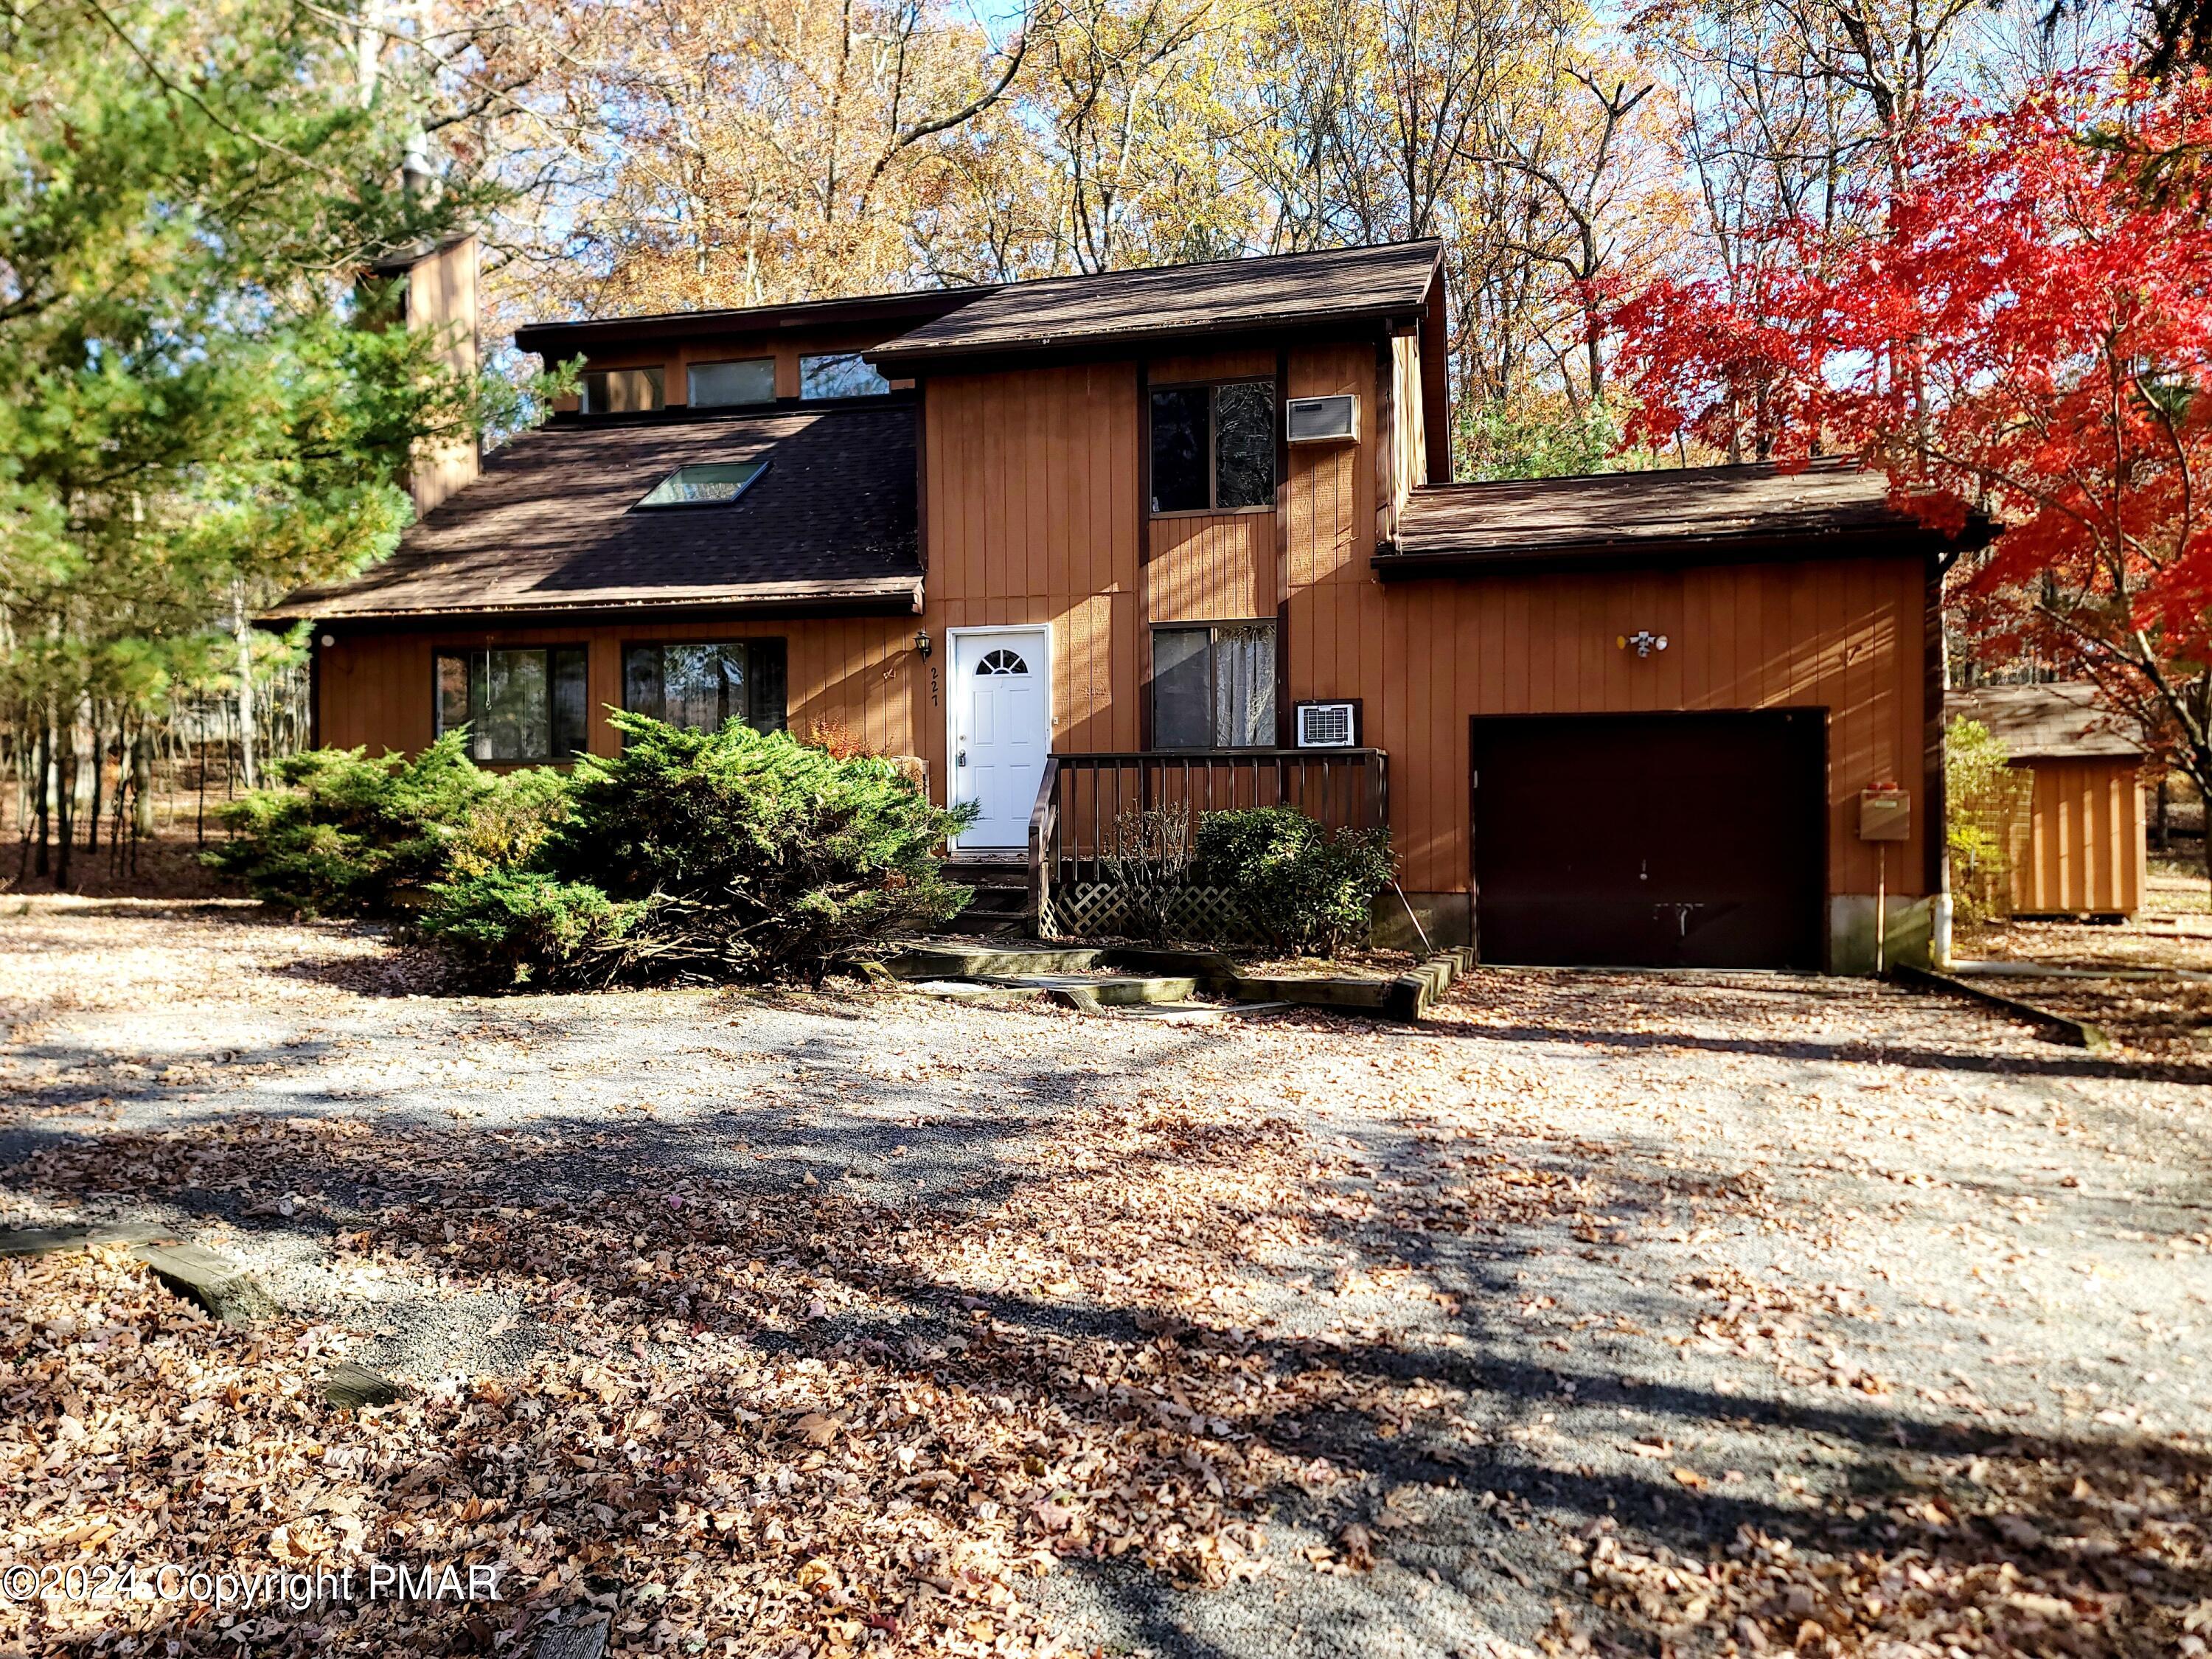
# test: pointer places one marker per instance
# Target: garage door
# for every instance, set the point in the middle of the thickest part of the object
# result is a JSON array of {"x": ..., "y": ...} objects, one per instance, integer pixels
[{"x": 1671, "y": 840}]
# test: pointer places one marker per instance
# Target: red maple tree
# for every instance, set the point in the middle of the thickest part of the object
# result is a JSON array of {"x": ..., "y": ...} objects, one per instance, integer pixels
[{"x": 2027, "y": 332}]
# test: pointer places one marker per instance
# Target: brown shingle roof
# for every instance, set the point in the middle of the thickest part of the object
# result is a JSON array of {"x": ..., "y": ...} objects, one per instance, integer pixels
[
  {"x": 1227, "y": 295},
  {"x": 1673, "y": 515},
  {"x": 2045, "y": 722},
  {"x": 549, "y": 524}
]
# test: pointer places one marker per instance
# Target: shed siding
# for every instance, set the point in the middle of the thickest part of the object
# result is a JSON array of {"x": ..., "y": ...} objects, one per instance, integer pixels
[{"x": 2086, "y": 846}]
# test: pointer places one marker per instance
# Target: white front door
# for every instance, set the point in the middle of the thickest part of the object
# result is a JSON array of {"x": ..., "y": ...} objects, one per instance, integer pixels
[{"x": 1001, "y": 730}]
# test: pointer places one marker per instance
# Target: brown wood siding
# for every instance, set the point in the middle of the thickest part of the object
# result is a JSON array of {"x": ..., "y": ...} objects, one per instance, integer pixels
[
  {"x": 1842, "y": 635},
  {"x": 1032, "y": 485},
  {"x": 1212, "y": 568},
  {"x": 1845, "y": 634},
  {"x": 375, "y": 689},
  {"x": 2086, "y": 846}
]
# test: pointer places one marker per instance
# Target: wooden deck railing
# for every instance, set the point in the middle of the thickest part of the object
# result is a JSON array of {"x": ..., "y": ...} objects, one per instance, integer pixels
[{"x": 1086, "y": 804}]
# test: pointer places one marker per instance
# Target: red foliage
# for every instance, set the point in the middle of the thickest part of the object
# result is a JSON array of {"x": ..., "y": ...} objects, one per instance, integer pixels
[{"x": 2028, "y": 333}]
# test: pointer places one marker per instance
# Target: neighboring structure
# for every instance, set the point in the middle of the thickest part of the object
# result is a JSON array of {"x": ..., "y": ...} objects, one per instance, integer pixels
[
  {"x": 2086, "y": 853},
  {"x": 1165, "y": 538}
]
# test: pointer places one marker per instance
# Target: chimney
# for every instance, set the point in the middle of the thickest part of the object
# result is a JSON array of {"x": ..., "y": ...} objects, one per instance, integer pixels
[{"x": 441, "y": 295}]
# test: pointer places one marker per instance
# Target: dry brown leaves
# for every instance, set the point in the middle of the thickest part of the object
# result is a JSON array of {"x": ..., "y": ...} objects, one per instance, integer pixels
[
  {"x": 764, "y": 1420},
  {"x": 2021, "y": 1551}
]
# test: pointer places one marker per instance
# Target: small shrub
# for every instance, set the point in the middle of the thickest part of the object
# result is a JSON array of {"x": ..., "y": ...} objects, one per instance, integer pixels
[
  {"x": 509, "y": 927},
  {"x": 345, "y": 835},
  {"x": 1303, "y": 890},
  {"x": 721, "y": 855},
  {"x": 1985, "y": 819}
]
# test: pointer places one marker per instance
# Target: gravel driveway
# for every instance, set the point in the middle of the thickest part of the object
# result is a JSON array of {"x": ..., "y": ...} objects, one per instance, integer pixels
[{"x": 1684, "y": 1308}]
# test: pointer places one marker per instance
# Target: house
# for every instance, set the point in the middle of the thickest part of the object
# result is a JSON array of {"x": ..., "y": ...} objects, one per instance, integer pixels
[
  {"x": 1093, "y": 546},
  {"x": 2086, "y": 853}
]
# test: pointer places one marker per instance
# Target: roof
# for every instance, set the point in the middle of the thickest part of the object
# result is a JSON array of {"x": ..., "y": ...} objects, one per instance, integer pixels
[
  {"x": 1164, "y": 302},
  {"x": 1680, "y": 515},
  {"x": 549, "y": 525},
  {"x": 2045, "y": 722},
  {"x": 560, "y": 340}
]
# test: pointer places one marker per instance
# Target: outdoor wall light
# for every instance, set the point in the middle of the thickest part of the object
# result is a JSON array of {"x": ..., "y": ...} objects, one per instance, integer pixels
[
  {"x": 921, "y": 642},
  {"x": 326, "y": 641},
  {"x": 1643, "y": 642}
]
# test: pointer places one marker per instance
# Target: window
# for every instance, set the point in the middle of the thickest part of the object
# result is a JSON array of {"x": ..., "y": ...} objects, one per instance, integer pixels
[
  {"x": 710, "y": 483},
  {"x": 704, "y": 687},
  {"x": 520, "y": 705},
  {"x": 1214, "y": 448},
  {"x": 749, "y": 381},
  {"x": 1213, "y": 686},
  {"x": 622, "y": 391},
  {"x": 839, "y": 374},
  {"x": 1002, "y": 662}
]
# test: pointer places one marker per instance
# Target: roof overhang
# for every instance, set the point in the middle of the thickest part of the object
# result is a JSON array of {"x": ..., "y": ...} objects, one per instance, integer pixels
[
  {"x": 1613, "y": 553},
  {"x": 873, "y": 596},
  {"x": 1289, "y": 328},
  {"x": 559, "y": 340}
]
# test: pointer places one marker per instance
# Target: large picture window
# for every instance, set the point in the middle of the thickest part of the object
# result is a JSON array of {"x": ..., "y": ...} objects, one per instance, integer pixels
[
  {"x": 526, "y": 704},
  {"x": 704, "y": 687},
  {"x": 1213, "y": 686},
  {"x": 1214, "y": 448}
]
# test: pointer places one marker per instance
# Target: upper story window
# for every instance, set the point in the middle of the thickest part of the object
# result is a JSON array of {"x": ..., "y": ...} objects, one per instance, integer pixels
[
  {"x": 839, "y": 374},
  {"x": 518, "y": 705},
  {"x": 1213, "y": 446},
  {"x": 745, "y": 381},
  {"x": 622, "y": 391}
]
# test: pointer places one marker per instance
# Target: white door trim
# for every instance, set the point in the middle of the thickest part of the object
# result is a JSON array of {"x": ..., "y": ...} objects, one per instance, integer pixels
[{"x": 1040, "y": 631}]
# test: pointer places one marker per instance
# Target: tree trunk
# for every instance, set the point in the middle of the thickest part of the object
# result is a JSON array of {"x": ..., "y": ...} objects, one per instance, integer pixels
[
  {"x": 99, "y": 778},
  {"x": 142, "y": 785},
  {"x": 41, "y": 800},
  {"x": 64, "y": 798},
  {"x": 243, "y": 629},
  {"x": 2165, "y": 841}
]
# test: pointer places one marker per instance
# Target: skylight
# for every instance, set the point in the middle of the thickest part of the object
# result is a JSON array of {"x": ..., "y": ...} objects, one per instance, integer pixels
[{"x": 709, "y": 483}]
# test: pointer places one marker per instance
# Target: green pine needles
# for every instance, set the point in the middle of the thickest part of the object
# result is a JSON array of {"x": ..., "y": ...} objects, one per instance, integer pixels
[{"x": 704, "y": 856}]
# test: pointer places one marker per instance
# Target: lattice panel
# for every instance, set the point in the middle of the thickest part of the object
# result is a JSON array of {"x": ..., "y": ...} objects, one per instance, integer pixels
[{"x": 1110, "y": 909}]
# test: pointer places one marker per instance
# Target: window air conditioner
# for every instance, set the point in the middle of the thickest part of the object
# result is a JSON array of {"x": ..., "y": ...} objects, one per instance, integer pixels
[
  {"x": 1328, "y": 724},
  {"x": 1323, "y": 420}
]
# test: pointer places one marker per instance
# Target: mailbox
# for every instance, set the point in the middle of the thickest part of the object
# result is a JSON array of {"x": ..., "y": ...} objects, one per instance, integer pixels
[{"x": 1885, "y": 813}]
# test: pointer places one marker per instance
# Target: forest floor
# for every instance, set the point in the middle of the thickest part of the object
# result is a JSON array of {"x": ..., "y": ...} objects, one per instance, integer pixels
[
  {"x": 1603, "y": 1312},
  {"x": 2147, "y": 983}
]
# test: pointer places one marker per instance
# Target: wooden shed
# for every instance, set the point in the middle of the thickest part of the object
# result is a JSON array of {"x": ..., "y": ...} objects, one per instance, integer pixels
[{"x": 2086, "y": 853}]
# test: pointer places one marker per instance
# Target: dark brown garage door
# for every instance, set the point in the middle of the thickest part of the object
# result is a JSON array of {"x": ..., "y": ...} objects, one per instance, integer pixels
[{"x": 1669, "y": 841}]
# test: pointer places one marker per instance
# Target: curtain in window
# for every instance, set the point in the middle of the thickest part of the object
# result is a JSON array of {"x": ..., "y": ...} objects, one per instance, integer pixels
[{"x": 1244, "y": 685}]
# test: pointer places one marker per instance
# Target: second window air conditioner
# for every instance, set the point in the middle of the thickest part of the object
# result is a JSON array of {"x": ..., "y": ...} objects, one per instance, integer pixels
[{"x": 1322, "y": 419}]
